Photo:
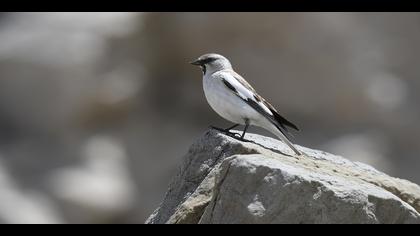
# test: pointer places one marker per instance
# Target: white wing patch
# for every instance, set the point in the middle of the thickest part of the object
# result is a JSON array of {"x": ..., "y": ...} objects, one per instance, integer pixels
[
  {"x": 242, "y": 91},
  {"x": 265, "y": 108}
]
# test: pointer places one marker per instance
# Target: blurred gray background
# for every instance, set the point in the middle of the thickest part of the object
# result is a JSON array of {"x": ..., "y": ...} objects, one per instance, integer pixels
[{"x": 97, "y": 109}]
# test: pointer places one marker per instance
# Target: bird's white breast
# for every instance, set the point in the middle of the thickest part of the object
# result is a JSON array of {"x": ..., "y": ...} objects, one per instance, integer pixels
[{"x": 225, "y": 102}]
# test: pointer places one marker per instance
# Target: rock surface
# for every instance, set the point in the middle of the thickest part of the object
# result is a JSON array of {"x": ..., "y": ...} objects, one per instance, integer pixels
[{"x": 223, "y": 180}]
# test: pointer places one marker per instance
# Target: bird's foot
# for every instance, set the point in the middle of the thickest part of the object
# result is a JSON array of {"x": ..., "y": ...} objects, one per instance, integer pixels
[
  {"x": 227, "y": 132},
  {"x": 238, "y": 136},
  {"x": 245, "y": 140}
]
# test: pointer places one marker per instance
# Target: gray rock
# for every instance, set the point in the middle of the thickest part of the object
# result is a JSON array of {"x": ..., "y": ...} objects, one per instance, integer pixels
[{"x": 223, "y": 180}]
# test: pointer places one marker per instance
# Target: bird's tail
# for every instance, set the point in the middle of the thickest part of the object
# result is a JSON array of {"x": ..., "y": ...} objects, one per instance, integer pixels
[{"x": 276, "y": 130}]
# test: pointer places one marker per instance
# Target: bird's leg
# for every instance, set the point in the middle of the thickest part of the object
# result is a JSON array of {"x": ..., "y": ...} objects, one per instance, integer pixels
[
  {"x": 227, "y": 130},
  {"x": 246, "y": 127},
  {"x": 231, "y": 133}
]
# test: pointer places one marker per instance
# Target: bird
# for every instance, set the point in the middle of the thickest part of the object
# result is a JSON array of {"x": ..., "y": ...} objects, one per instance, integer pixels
[{"x": 234, "y": 99}]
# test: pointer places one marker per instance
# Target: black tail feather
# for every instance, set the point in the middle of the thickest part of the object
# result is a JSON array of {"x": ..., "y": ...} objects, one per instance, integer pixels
[{"x": 283, "y": 122}]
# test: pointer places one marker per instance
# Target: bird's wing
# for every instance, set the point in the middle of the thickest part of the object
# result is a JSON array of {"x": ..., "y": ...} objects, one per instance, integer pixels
[{"x": 244, "y": 90}]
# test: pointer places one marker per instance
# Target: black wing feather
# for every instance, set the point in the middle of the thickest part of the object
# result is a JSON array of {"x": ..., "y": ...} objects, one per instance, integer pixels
[
  {"x": 282, "y": 121},
  {"x": 230, "y": 86},
  {"x": 276, "y": 118}
]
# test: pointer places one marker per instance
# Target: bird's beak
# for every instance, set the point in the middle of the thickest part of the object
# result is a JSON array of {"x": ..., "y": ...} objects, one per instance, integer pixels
[{"x": 196, "y": 63}]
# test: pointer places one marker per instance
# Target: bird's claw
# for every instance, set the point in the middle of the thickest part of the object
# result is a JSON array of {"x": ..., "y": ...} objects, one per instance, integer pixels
[
  {"x": 225, "y": 131},
  {"x": 231, "y": 134},
  {"x": 235, "y": 135}
]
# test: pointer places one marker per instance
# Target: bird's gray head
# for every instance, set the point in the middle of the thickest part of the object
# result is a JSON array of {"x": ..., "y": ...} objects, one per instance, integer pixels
[{"x": 212, "y": 62}]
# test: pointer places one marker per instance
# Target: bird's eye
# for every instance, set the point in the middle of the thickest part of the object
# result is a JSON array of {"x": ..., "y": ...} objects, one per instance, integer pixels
[{"x": 209, "y": 60}]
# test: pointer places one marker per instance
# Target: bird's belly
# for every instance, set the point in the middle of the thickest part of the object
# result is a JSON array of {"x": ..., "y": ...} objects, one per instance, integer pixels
[{"x": 227, "y": 104}]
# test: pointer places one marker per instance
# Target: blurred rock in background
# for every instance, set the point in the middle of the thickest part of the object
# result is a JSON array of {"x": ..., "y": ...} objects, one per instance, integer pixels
[{"x": 97, "y": 109}]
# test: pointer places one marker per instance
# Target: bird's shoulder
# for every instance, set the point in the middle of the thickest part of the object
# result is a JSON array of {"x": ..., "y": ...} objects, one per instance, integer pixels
[
  {"x": 245, "y": 83},
  {"x": 231, "y": 73}
]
